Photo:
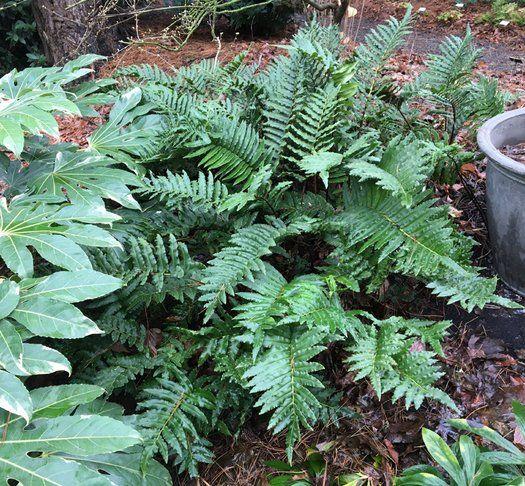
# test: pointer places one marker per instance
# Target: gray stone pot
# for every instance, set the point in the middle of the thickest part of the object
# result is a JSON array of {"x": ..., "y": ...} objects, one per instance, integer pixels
[{"x": 506, "y": 196}]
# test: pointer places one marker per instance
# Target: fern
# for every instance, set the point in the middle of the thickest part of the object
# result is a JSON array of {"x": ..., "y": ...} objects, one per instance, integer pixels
[
  {"x": 173, "y": 412},
  {"x": 151, "y": 271},
  {"x": 401, "y": 171},
  {"x": 313, "y": 128},
  {"x": 147, "y": 74},
  {"x": 380, "y": 45},
  {"x": 275, "y": 200},
  {"x": 285, "y": 98},
  {"x": 177, "y": 189},
  {"x": 124, "y": 330},
  {"x": 452, "y": 67},
  {"x": 236, "y": 262},
  {"x": 383, "y": 354},
  {"x": 233, "y": 149},
  {"x": 285, "y": 376},
  {"x": 114, "y": 372}
]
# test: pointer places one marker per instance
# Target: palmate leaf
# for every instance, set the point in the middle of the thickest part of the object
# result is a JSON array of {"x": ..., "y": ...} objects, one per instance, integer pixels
[
  {"x": 9, "y": 297},
  {"x": 76, "y": 434},
  {"x": 29, "y": 98},
  {"x": 285, "y": 376},
  {"x": 51, "y": 230},
  {"x": 14, "y": 397},
  {"x": 44, "y": 307},
  {"x": 11, "y": 348},
  {"x": 125, "y": 135},
  {"x": 53, "y": 401},
  {"x": 69, "y": 436},
  {"x": 84, "y": 178},
  {"x": 124, "y": 469},
  {"x": 51, "y": 471},
  {"x": 41, "y": 360},
  {"x": 52, "y": 318}
]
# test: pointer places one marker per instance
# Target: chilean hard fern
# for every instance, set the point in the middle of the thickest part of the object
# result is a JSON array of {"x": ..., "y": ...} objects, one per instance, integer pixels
[{"x": 275, "y": 200}]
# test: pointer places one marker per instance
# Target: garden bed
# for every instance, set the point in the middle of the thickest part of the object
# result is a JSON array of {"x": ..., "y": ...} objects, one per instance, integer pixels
[{"x": 375, "y": 437}]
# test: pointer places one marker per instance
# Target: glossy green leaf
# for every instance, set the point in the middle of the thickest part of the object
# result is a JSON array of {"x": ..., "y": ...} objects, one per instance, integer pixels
[
  {"x": 25, "y": 223},
  {"x": 81, "y": 435},
  {"x": 84, "y": 178},
  {"x": 74, "y": 286},
  {"x": 49, "y": 471},
  {"x": 125, "y": 470},
  {"x": 9, "y": 297},
  {"x": 443, "y": 455},
  {"x": 519, "y": 415},
  {"x": 49, "y": 318},
  {"x": 14, "y": 396},
  {"x": 10, "y": 347},
  {"x": 53, "y": 401},
  {"x": 41, "y": 360}
]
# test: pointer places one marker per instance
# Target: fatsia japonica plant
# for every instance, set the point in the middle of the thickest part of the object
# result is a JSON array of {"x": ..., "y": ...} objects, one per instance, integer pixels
[
  {"x": 52, "y": 208},
  {"x": 248, "y": 220}
]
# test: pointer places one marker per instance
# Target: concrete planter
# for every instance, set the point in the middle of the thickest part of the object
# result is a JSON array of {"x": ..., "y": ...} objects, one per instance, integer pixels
[{"x": 506, "y": 196}]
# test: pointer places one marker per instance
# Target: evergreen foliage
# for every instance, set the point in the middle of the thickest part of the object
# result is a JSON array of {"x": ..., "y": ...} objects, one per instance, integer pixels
[{"x": 231, "y": 228}]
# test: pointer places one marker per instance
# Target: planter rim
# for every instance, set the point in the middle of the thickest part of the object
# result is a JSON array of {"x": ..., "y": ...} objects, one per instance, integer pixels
[{"x": 491, "y": 151}]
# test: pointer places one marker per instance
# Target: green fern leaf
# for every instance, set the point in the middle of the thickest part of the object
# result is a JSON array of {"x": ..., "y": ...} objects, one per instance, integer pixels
[
  {"x": 401, "y": 171},
  {"x": 236, "y": 262},
  {"x": 284, "y": 375}
]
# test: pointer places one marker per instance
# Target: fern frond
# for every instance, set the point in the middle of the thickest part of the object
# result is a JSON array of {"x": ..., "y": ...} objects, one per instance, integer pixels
[
  {"x": 151, "y": 272},
  {"x": 413, "y": 380},
  {"x": 488, "y": 100},
  {"x": 380, "y": 45},
  {"x": 313, "y": 127},
  {"x": 233, "y": 149},
  {"x": 124, "y": 330},
  {"x": 284, "y": 99},
  {"x": 401, "y": 171},
  {"x": 177, "y": 189},
  {"x": 196, "y": 78},
  {"x": 173, "y": 415},
  {"x": 469, "y": 289},
  {"x": 236, "y": 262},
  {"x": 452, "y": 67},
  {"x": 146, "y": 74},
  {"x": 285, "y": 376},
  {"x": 420, "y": 236},
  {"x": 383, "y": 353},
  {"x": 420, "y": 240},
  {"x": 116, "y": 371}
]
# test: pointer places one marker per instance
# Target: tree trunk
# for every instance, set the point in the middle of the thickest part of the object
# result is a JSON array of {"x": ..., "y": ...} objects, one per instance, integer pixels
[
  {"x": 69, "y": 28},
  {"x": 339, "y": 13}
]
